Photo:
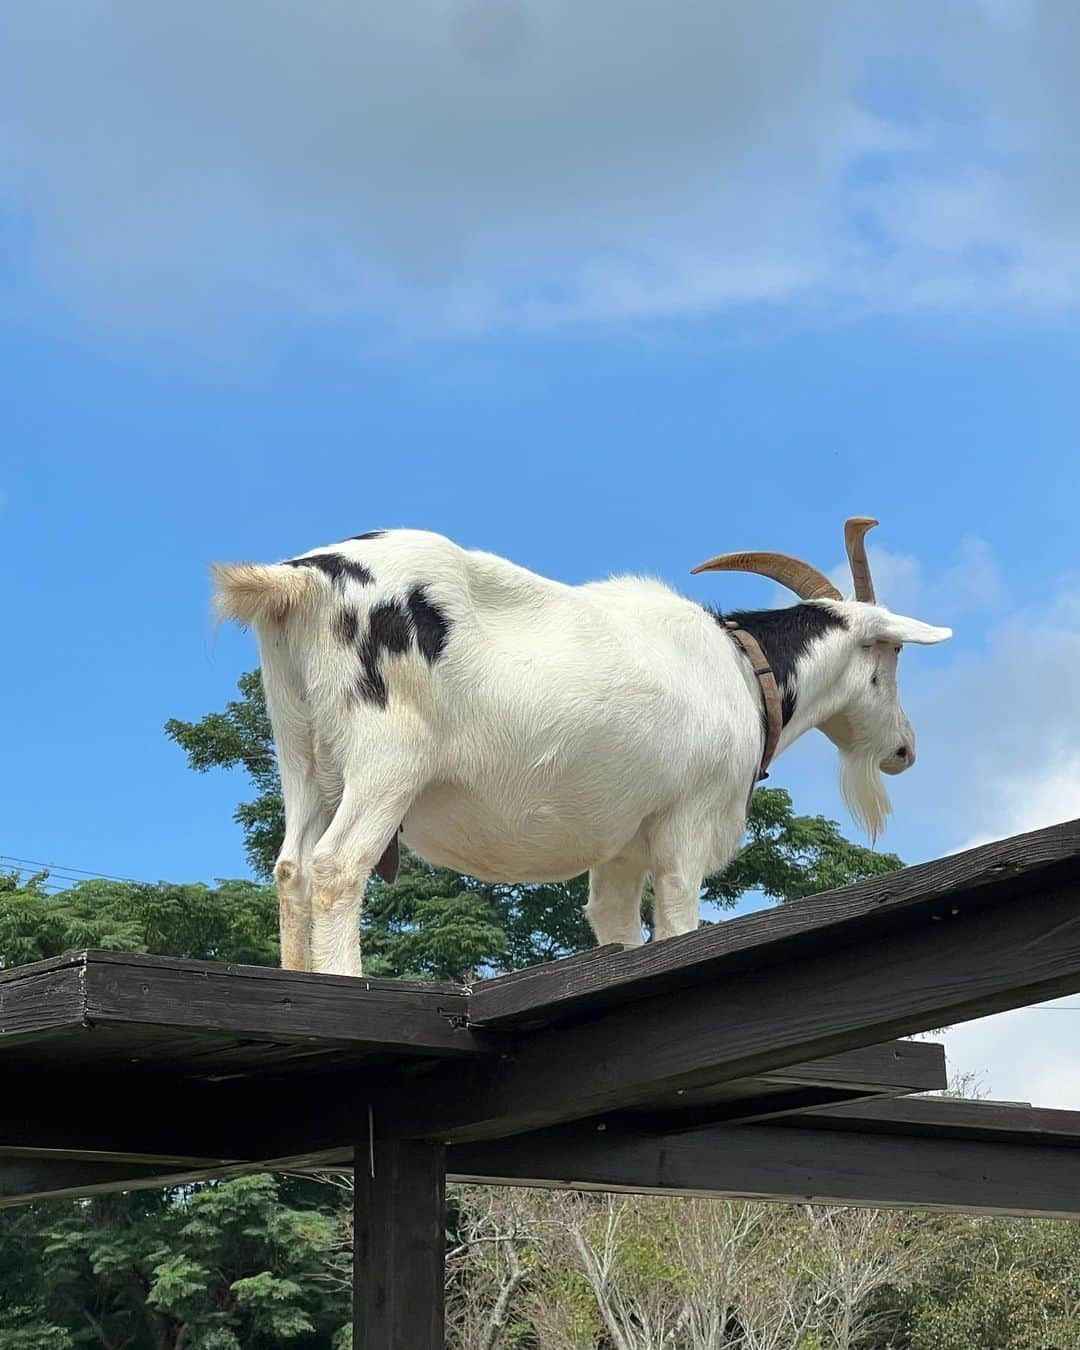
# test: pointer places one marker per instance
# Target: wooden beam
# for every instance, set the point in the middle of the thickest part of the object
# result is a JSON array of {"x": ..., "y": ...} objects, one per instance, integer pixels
[
  {"x": 417, "y": 1105},
  {"x": 925, "y": 1153},
  {"x": 990, "y": 874},
  {"x": 36, "y": 999},
  {"x": 398, "y": 1248},
  {"x": 35, "y": 1177},
  {"x": 796, "y": 1163},
  {"x": 114, "y": 990},
  {"x": 874, "y": 1072},
  {"x": 953, "y": 1117},
  {"x": 950, "y": 964},
  {"x": 23, "y": 1180},
  {"x": 134, "y": 1115},
  {"x": 890, "y": 1067}
]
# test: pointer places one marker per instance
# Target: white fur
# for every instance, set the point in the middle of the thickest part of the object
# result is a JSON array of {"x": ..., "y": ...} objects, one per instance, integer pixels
[{"x": 613, "y": 727}]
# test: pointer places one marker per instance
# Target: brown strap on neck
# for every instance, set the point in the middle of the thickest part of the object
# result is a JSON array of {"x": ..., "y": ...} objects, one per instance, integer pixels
[{"x": 770, "y": 693}]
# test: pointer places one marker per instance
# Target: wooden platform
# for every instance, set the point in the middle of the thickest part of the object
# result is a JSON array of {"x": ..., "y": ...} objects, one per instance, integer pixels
[{"x": 757, "y": 1057}]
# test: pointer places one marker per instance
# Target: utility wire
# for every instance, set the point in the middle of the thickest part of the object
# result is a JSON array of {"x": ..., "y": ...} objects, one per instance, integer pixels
[{"x": 60, "y": 868}]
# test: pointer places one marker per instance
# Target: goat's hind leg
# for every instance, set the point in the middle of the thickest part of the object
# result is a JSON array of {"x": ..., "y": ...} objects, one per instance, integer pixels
[
  {"x": 378, "y": 793},
  {"x": 614, "y": 908},
  {"x": 306, "y": 818}
]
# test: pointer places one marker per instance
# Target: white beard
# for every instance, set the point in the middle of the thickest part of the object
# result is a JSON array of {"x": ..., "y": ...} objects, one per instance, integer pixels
[{"x": 864, "y": 791}]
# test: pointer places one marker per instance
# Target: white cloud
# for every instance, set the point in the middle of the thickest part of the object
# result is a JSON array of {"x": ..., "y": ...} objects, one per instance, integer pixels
[
  {"x": 970, "y": 583},
  {"x": 998, "y": 726},
  {"x": 999, "y": 731},
  {"x": 1029, "y": 1055},
  {"x": 494, "y": 162},
  {"x": 1030, "y": 799}
]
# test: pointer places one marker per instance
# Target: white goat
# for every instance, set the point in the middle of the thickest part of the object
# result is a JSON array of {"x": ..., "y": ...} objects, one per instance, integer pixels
[{"x": 522, "y": 730}]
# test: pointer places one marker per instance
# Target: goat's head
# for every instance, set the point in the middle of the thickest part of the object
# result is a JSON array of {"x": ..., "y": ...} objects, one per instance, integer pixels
[{"x": 857, "y": 701}]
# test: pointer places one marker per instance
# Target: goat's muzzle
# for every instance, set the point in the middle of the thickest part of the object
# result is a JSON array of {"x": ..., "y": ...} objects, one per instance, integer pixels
[{"x": 901, "y": 758}]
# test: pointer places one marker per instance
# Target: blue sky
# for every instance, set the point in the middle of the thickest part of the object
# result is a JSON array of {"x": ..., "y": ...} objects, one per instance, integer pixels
[{"x": 596, "y": 295}]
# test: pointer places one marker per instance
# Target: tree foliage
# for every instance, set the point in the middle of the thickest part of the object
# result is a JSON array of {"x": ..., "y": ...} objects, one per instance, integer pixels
[
  {"x": 240, "y": 738},
  {"x": 246, "y": 1264},
  {"x": 233, "y": 921}
]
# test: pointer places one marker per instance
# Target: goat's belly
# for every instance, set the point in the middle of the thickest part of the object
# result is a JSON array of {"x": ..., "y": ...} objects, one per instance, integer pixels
[{"x": 551, "y": 840}]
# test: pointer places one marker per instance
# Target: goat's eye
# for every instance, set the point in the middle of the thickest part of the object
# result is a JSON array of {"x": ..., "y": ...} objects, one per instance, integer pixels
[
  {"x": 873, "y": 678},
  {"x": 896, "y": 650}
]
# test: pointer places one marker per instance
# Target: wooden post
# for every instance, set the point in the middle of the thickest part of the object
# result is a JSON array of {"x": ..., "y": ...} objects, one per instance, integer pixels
[{"x": 399, "y": 1241}]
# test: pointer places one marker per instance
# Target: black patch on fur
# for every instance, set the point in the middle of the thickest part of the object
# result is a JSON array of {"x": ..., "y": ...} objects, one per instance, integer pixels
[
  {"x": 371, "y": 534},
  {"x": 784, "y": 635},
  {"x": 431, "y": 624},
  {"x": 335, "y": 566},
  {"x": 389, "y": 630},
  {"x": 345, "y": 626}
]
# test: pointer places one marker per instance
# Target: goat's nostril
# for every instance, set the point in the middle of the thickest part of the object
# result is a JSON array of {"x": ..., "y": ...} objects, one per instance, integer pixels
[{"x": 902, "y": 753}]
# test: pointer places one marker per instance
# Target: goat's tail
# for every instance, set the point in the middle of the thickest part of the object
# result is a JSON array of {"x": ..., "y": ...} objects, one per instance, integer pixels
[{"x": 254, "y": 593}]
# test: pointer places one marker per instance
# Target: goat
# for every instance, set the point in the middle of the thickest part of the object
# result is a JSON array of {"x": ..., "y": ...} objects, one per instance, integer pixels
[{"x": 521, "y": 730}]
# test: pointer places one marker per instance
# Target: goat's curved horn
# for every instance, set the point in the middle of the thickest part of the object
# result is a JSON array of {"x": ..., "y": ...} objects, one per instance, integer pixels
[
  {"x": 854, "y": 537},
  {"x": 806, "y": 581}
]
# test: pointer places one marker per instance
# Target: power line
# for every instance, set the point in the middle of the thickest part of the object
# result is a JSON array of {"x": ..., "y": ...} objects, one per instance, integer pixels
[{"x": 62, "y": 868}]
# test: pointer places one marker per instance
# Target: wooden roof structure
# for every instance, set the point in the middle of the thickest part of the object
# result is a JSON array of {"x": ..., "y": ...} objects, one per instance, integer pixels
[{"x": 758, "y": 1057}]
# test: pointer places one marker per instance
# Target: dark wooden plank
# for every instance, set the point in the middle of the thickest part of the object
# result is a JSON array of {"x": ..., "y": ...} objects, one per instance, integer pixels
[
  {"x": 773, "y": 1162},
  {"x": 227, "y": 1119},
  {"x": 953, "y": 1117},
  {"x": 276, "y": 1005},
  {"x": 875, "y": 1071},
  {"x": 41, "y": 1000},
  {"x": 663, "y": 1118},
  {"x": 933, "y": 973},
  {"x": 131, "y": 1114},
  {"x": 12, "y": 974},
  {"x": 197, "y": 1052},
  {"x": 141, "y": 1157},
  {"x": 320, "y": 1112},
  {"x": 399, "y": 1227},
  {"x": 900, "y": 1066},
  {"x": 599, "y": 978},
  {"x": 23, "y": 1180},
  {"x": 932, "y": 1153},
  {"x": 109, "y": 989},
  {"x": 425, "y": 990},
  {"x": 26, "y": 1179}
]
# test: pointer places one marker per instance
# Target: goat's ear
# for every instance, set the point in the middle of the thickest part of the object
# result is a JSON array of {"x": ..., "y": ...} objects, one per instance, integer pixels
[{"x": 879, "y": 625}]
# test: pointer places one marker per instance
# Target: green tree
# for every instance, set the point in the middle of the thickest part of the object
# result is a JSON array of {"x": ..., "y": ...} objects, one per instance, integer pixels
[
  {"x": 233, "y": 921},
  {"x": 255, "y": 1262},
  {"x": 1010, "y": 1284},
  {"x": 240, "y": 737}
]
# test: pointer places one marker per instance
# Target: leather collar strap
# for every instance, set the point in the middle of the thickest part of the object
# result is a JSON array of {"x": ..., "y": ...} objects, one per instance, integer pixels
[{"x": 770, "y": 693}]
